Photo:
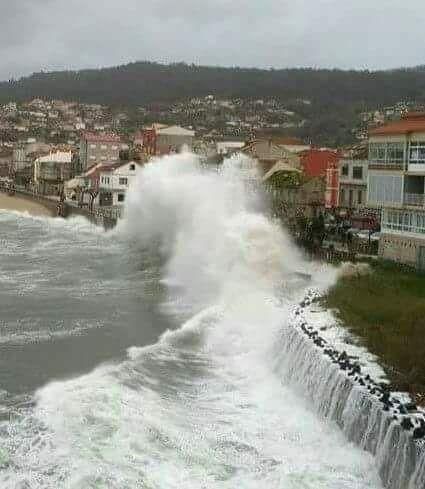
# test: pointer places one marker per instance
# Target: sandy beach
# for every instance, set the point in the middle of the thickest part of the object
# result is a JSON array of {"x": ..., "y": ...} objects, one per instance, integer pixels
[{"x": 15, "y": 203}]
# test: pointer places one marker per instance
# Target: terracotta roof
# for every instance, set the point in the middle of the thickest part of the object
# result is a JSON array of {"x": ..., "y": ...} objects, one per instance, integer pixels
[
  {"x": 101, "y": 138},
  {"x": 411, "y": 122},
  {"x": 101, "y": 168}
]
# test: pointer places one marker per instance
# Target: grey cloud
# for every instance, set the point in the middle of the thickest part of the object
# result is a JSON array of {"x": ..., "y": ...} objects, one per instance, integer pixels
[{"x": 60, "y": 34}]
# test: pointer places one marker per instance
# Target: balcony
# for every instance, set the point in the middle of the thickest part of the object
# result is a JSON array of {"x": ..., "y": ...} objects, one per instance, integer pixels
[
  {"x": 403, "y": 221},
  {"x": 417, "y": 200},
  {"x": 386, "y": 165}
]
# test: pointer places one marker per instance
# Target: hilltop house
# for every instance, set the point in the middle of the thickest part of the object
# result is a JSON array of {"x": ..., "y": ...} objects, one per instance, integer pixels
[{"x": 396, "y": 184}]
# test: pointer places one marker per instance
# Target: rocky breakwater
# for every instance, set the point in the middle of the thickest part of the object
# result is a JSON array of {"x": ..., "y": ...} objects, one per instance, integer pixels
[{"x": 387, "y": 424}]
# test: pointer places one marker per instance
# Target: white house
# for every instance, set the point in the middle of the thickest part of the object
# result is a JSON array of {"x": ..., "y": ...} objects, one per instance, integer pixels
[
  {"x": 114, "y": 183},
  {"x": 173, "y": 139}
]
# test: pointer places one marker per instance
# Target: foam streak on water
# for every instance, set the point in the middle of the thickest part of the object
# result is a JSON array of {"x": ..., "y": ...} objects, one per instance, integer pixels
[{"x": 204, "y": 407}]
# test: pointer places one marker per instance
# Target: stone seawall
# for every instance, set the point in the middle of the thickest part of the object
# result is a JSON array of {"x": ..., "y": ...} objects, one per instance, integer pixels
[
  {"x": 371, "y": 416},
  {"x": 96, "y": 217},
  {"x": 99, "y": 217}
]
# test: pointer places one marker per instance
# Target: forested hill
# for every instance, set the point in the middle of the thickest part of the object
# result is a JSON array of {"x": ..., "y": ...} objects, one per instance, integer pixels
[{"x": 144, "y": 82}]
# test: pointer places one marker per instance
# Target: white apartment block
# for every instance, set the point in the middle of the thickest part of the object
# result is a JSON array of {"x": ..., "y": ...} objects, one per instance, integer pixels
[{"x": 396, "y": 184}]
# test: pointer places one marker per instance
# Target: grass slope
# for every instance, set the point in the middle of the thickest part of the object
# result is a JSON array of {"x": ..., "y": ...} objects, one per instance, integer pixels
[{"x": 386, "y": 311}]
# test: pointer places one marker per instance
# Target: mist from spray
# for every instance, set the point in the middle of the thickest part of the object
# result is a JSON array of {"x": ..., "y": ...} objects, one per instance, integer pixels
[{"x": 208, "y": 225}]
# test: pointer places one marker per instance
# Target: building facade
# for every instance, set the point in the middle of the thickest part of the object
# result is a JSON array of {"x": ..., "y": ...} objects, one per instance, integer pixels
[
  {"x": 353, "y": 176},
  {"x": 396, "y": 185},
  {"x": 315, "y": 162},
  {"x": 332, "y": 187},
  {"x": 173, "y": 139},
  {"x": 99, "y": 148},
  {"x": 270, "y": 151},
  {"x": 114, "y": 183},
  {"x": 161, "y": 140},
  {"x": 23, "y": 151},
  {"x": 51, "y": 172},
  {"x": 6, "y": 155}
]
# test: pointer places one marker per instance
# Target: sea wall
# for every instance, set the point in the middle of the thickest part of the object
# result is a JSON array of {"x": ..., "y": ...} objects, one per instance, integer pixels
[
  {"x": 380, "y": 422},
  {"x": 98, "y": 218},
  {"x": 67, "y": 210}
]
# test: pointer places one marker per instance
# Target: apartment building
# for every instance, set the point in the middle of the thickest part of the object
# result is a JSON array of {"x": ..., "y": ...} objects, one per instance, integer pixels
[
  {"x": 396, "y": 184},
  {"x": 99, "y": 148},
  {"x": 353, "y": 183}
]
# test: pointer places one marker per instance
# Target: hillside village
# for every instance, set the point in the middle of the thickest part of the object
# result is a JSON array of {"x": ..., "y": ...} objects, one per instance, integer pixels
[{"x": 364, "y": 196}]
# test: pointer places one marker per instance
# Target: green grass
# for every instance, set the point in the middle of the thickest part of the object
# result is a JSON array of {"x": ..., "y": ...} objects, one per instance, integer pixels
[{"x": 385, "y": 309}]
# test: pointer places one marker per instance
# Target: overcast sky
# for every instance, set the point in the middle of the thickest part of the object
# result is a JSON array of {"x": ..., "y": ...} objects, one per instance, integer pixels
[{"x": 58, "y": 34}]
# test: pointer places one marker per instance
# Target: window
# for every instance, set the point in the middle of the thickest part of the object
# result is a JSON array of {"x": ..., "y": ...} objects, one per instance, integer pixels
[
  {"x": 395, "y": 152},
  {"x": 92, "y": 157},
  {"x": 344, "y": 170},
  {"x": 104, "y": 147},
  {"x": 417, "y": 152},
  {"x": 377, "y": 152},
  {"x": 385, "y": 189},
  {"x": 357, "y": 172},
  {"x": 359, "y": 197},
  {"x": 121, "y": 197},
  {"x": 386, "y": 153},
  {"x": 92, "y": 146},
  {"x": 123, "y": 181},
  {"x": 103, "y": 158},
  {"x": 342, "y": 196},
  {"x": 132, "y": 167},
  {"x": 114, "y": 148}
]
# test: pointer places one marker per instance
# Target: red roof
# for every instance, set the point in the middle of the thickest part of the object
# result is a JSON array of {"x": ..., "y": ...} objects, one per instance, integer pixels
[
  {"x": 411, "y": 122},
  {"x": 102, "y": 167},
  {"x": 101, "y": 138}
]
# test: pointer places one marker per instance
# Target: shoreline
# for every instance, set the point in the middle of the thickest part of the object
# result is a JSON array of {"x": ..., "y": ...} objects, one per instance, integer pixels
[{"x": 21, "y": 204}]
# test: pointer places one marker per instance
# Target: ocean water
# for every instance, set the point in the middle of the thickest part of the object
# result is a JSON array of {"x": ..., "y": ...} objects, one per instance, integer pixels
[{"x": 144, "y": 357}]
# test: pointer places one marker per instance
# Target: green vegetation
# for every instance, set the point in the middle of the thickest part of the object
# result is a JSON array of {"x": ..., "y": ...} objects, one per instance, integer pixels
[
  {"x": 385, "y": 309},
  {"x": 329, "y": 101},
  {"x": 284, "y": 179}
]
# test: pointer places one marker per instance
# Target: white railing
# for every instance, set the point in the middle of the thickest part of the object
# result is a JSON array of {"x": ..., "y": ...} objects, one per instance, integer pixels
[
  {"x": 403, "y": 221},
  {"x": 414, "y": 199}
]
